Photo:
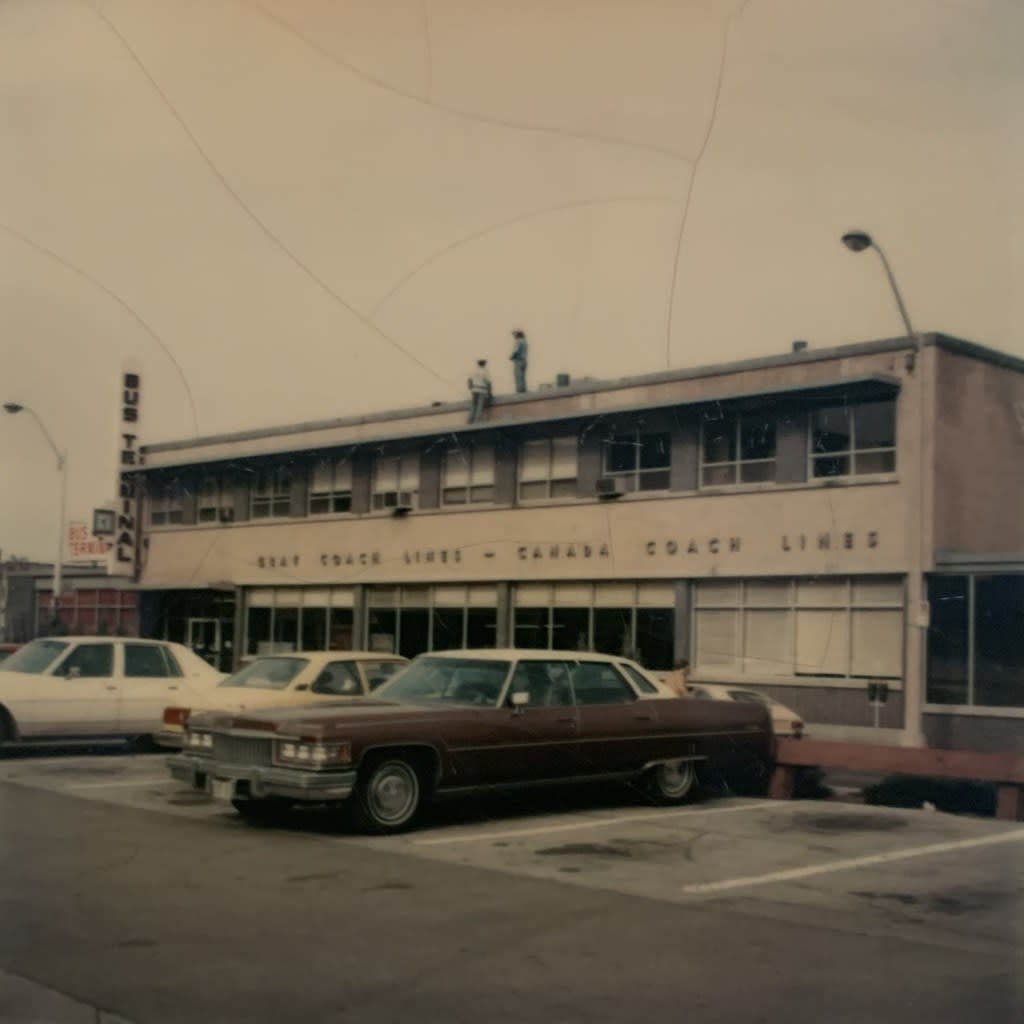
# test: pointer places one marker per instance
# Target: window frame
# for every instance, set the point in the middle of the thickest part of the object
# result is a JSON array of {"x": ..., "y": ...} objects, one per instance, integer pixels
[
  {"x": 407, "y": 476},
  {"x": 737, "y": 462},
  {"x": 471, "y": 455},
  {"x": 223, "y": 498},
  {"x": 334, "y": 494},
  {"x": 166, "y": 499},
  {"x": 632, "y": 479},
  {"x": 271, "y": 494},
  {"x": 853, "y": 450},
  {"x": 549, "y": 478}
]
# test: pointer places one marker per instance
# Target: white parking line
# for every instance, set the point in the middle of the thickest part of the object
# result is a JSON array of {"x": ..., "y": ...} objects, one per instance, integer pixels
[
  {"x": 592, "y": 823},
  {"x": 141, "y": 781},
  {"x": 855, "y": 862}
]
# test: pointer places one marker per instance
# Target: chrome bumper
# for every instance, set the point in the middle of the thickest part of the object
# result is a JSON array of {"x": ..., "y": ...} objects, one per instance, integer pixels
[
  {"x": 258, "y": 782},
  {"x": 173, "y": 740}
]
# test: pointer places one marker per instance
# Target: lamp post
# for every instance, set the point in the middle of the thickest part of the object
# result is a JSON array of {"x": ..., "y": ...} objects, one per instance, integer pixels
[
  {"x": 917, "y": 515},
  {"x": 62, "y": 469}
]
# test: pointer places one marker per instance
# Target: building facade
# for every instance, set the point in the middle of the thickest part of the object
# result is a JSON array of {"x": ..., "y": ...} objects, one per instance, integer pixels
[{"x": 809, "y": 524}]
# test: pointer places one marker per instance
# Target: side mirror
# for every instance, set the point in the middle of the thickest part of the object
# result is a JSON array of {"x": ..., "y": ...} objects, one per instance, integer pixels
[{"x": 519, "y": 700}]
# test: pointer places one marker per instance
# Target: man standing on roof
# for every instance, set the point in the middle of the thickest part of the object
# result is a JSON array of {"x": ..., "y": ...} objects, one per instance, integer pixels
[
  {"x": 479, "y": 390},
  {"x": 518, "y": 357}
]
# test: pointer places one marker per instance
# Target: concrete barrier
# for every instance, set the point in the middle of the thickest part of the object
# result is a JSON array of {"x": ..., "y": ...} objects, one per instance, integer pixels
[{"x": 1005, "y": 770}]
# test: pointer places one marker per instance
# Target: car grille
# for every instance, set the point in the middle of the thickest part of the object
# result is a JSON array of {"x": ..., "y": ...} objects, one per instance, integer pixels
[{"x": 241, "y": 749}]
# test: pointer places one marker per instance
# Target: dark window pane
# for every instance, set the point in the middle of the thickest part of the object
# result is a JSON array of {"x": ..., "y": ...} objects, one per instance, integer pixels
[
  {"x": 447, "y": 629},
  {"x": 620, "y": 455},
  {"x": 534, "y": 490},
  {"x": 757, "y": 437},
  {"x": 314, "y": 629},
  {"x": 655, "y": 452},
  {"x": 531, "y": 628},
  {"x": 598, "y": 683},
  {"x": 570, "y": 629},
  {"x": 286, "y": 629},
  {"x": 720, "y": 439},
  {"x": 875, "y": 425},
  {"x": 481, "y": 627},
  {"x": 654, "y": 632},
  {"x": 93, "y": 661},
  {"x": 338, "y": 678},
  {"x": 838, "y": 465},
  {"x": 718, "y": 476},
  {"x": 830, "y": 430},
  {"x": 653, "y": 480},
  {"x": 875, "y": 462},
  {"x": 999, "y": 641},
  {"x": 341, "y": 637},
  {"x": 757, "y": 472},
  {"x": 563, "y": 488},
  {"x": 342, "y": 502},
  {"x": 947, "y": 640},
  {"x": 259, "y": 629},
  {"x": 383, "y": 629},
  {"x": 613, "y": 631},
  {"x": 414, "y": 633}
]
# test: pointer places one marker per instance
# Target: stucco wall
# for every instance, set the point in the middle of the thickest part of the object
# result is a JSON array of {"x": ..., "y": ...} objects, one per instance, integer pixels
[{"x": 979, "y": 456}]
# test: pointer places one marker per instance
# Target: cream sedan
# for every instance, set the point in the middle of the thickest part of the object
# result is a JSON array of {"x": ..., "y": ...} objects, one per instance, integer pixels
[
  {"x": 785, "y": 721},
  {"x": 306, "y": 677},
  {"x": 71, "y": 688}
]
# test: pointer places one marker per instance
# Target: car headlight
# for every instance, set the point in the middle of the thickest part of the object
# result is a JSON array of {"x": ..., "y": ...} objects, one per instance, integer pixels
[
  {"x": 313, "y": 755},
  {"x": 199, "y": 741}
]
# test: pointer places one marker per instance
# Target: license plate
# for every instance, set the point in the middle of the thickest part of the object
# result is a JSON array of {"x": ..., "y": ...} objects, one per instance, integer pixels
[{"x": 222, "y": 789}]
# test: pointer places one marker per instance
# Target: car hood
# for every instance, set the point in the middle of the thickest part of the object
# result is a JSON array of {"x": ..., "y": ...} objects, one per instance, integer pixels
[
  {"x": 245, "y": 698},
  {"x": 330, "y": 719}
]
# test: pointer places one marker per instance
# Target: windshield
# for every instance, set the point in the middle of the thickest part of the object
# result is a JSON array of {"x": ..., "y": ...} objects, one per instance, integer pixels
[
  {"x": 452, "y": 680},
  {"x": 35, "y": 657},
  {"x": 267, "y": 673}
]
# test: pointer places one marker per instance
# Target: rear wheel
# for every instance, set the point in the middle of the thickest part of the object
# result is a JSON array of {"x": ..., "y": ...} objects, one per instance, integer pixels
[
  {"x": 387, "y": 796},
  {"x": 672, "y": 783},
  {"x": 7, "y": 731}
]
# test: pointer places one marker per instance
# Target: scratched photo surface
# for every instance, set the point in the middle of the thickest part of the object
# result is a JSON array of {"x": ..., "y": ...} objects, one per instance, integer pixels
[{"x": 685, "y": 333}]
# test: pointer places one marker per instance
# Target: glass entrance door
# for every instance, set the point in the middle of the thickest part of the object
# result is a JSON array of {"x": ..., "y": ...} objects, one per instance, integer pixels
[{"x": 204, "y": 637}]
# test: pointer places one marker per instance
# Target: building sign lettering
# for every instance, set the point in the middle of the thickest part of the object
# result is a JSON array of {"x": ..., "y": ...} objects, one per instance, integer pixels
[
  {"x": 429, "y": 556},
  {"x": 125, "y": 538},
  {"x": 550, "y": 552},
  {"x": 828, "y": 541}
]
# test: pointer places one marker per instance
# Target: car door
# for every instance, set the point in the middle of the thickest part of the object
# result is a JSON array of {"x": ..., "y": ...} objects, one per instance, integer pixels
[
  {"x": 528, "y": 743},
  {"x": 617, "y": 730},
  {"x": 151, "y": 680},
  {"x": 77, "y": 697}
]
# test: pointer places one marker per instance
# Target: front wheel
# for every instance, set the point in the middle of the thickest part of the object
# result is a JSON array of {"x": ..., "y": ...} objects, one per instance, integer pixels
[
  {"x": 672, "y": 783},
  {"x": 387, "y": 797}
]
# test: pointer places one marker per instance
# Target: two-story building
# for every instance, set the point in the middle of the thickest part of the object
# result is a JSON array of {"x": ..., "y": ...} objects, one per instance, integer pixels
[{"x": 807, "y": 523}]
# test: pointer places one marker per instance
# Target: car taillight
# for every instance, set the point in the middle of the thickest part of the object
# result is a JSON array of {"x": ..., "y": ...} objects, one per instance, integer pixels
[{"x": 176, "y": 716}]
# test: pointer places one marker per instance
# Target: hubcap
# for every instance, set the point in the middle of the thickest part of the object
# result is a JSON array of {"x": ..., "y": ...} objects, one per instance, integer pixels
[
  {"x": 393, "y": 793},
  {"x": 676, "y": 779}
]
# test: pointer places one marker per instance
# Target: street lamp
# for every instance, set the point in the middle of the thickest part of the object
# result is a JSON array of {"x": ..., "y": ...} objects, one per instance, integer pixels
[
  {"x": 858, "y": 241},
  {"x": 917, "y": 511},
  {"x": 62, "y": 469}
]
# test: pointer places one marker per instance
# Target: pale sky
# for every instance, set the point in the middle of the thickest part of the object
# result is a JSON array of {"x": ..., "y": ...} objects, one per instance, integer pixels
[{"x": 325, "y": 207}]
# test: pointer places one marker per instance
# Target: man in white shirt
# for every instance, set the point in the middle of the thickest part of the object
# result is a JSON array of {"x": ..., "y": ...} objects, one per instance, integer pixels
[{"x": 479, "y": 390}]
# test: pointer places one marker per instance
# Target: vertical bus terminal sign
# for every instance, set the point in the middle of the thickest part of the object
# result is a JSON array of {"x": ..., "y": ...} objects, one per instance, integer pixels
[{"x": 125, "y": 553}]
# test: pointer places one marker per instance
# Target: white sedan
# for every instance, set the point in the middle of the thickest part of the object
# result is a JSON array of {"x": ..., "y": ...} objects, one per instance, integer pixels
[
  {"x": 785, "y": 721},
  {"x": 65, "y": 688},
  {"x": 277, "y": 680}
]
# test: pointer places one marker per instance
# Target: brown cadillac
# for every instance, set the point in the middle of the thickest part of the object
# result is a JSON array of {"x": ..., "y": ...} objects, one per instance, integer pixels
[{"x": 465, "y": 720}]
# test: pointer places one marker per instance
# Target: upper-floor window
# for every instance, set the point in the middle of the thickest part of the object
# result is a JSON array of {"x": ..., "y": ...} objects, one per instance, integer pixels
[
  {"x": 330, "y": 488},
  {"x": 547, "y": 468},
  {"x": 215, "y": 496},
  {"x": 272, "y": 493},
  {"x": 166, "y": 503},
  {"x": 396, "y": 480},
  {"x": 737, "y": 448},
  {"x": 638, "y": 461},
  {"x": 468, "y": 475},
  {"x": 852, "y": 440}
]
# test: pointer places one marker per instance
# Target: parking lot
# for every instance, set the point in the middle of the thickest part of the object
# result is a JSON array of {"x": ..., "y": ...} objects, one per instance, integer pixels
[{"x": 930, "y": 877}]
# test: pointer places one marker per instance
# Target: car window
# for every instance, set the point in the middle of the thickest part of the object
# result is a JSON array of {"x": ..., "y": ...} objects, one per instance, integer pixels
[
  {"x": 378, "y": 672},
  {"x": 339, "y": 677},
  {"x": 597, "y": 682},
  {"x": 746, "y": 697},
  {"x": 546, "y": 683},
  {"x": 146, "y": 660},
  {"x": 456, "y": 680},
  {"x": 270, "y": 673},
  {"x": 93, "y": 661},
  {"x": 36, "y": 656},
  {"x": 642, "y": 682}
]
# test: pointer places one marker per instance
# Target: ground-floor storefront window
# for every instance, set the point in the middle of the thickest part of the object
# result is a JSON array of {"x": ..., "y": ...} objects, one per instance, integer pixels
[
  {"x": 630, "y": 619},
  {"x": 976, "y": 640},
  {"x": 841, "y": 627},
  {"x": 284, "y": 619},
  {"x": 412, "y": 620}
]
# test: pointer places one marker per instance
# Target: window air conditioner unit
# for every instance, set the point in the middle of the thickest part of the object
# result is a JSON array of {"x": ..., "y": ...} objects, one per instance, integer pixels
[
  {"x": 399, "y": 502},
  {"x": 608, "y": 487},
  {"x": 227, "y": 515}
]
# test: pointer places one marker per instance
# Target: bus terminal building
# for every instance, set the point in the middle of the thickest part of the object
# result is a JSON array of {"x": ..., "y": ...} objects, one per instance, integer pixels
[{"x": 807, "y": 524}]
